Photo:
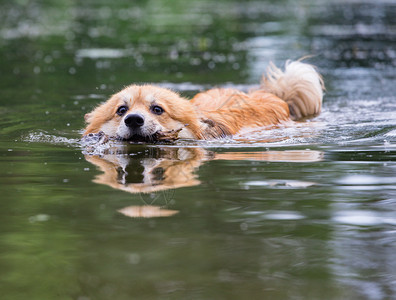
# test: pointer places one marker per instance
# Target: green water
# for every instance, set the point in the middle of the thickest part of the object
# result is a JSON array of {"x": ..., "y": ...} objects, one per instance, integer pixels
[{"x": 302, "y": 212}]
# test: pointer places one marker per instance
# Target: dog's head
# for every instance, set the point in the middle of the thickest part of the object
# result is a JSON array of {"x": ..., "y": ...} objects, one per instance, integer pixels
[{"x": 140, "y": 112}]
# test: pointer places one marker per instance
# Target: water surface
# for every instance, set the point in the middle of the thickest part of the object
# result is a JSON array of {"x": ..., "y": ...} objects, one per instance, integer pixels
[{"x": 301, "y": 211}]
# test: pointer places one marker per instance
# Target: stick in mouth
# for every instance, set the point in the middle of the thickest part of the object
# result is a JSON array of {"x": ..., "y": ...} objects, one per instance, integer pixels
[{"x": 160, "y": 136}]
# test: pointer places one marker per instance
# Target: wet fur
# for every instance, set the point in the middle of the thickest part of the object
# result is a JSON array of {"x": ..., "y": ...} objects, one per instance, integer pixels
[{"x": 292, "y": 94}]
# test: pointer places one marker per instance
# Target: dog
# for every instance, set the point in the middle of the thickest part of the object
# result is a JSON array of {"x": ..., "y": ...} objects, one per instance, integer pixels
[{"x": 147, "y": 113}]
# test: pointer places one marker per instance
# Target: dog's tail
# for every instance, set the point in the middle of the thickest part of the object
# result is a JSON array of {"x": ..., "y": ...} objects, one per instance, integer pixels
[{"x": 300, "y": 85}]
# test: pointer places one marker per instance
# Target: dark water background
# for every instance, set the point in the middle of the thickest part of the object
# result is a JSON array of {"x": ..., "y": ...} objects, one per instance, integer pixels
[{"x": 304, "y": 212}]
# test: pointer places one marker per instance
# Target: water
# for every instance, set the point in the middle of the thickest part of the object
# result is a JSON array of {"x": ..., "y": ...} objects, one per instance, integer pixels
[{"x": 304, "y": 211}]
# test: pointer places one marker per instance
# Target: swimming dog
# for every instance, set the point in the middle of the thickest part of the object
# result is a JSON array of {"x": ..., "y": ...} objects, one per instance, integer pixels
[{"x": 149, "y": 113}]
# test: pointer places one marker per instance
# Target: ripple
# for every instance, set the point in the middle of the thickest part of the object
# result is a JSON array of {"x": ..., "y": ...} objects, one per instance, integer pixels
[
  {"x": 188, "y": 86},
  {"x": 284, "y": 215},
  {"x": 96, "y": 53},
  {"x": 360, "y": 180},
  {"x": 391, "y": 133},
  {"x": 366, "y": 182},
  {"x": 353, "y": 30},
  {"x": 362, "y": 218},
  {"x": 280, "y": 183}
]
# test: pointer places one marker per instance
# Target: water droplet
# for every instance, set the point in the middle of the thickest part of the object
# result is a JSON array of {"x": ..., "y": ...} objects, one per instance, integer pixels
[
  {"x": 134, "y": 258},
  {"x": 235, "y": 66},
  {"x": 48, "y": 59},
  {"x": 39, "y": 218},
  {"x": 36, "y": 70},
  {"x": 244, "y": 226}
]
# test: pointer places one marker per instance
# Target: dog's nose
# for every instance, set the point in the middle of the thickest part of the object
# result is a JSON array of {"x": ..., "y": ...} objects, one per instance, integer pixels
[{"x": 134, "y": 120}]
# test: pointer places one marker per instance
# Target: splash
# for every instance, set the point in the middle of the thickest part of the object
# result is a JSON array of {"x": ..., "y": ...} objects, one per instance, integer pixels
[{"x": 43, "y": 137}]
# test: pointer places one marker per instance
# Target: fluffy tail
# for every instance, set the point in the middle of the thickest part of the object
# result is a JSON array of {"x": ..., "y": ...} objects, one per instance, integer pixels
[{"x": 300, "y": 85}]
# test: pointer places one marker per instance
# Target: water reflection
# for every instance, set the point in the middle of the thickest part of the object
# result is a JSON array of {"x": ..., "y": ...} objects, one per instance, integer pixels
[
  {"x": 147, "y": 172},
  {"x": 168, "y": 168},
  {"x": 146, "y": 211}
]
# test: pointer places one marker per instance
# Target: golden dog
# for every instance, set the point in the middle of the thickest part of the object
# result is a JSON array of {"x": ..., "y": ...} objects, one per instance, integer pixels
[{"x": 146, "y": 112}]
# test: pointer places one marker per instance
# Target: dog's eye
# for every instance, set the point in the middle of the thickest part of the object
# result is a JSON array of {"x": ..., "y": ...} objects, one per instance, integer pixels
[
  {"x": 158, "y": 110},
  {"x": 122, "y": 110}
]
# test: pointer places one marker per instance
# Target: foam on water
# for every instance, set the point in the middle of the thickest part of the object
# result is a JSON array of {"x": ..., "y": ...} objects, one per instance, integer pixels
[{"x": 43, "y": 137}]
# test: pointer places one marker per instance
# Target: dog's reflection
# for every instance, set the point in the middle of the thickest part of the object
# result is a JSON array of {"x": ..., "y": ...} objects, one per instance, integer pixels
[
  {"x": 167, "y": 168},
  {"x": 151, "y": 170}
]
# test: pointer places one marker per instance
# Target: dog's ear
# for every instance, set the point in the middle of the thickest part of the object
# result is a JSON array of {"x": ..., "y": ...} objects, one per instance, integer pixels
[{"x": 209, "y": 122}]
